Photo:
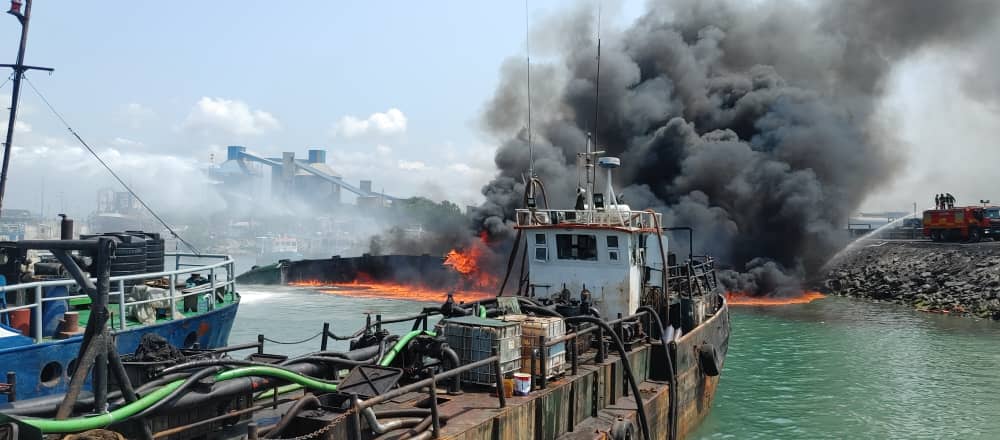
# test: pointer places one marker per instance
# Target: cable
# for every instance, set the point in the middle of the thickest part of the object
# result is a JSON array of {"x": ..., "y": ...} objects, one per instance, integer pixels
[
  {"x": 113, "y": 173},
  {"x": 294, "y": 342}
]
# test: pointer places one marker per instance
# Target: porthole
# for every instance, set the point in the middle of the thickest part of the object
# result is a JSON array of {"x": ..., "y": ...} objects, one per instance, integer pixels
[{"x": 51, "y": 374}]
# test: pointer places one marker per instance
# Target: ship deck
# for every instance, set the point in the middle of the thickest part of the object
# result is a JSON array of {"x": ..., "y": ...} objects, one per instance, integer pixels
[{"x": 82, "y": 306}]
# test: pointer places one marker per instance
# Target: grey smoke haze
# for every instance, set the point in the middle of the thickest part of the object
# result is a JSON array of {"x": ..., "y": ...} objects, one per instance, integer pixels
[{"x": 752, "y": 122}]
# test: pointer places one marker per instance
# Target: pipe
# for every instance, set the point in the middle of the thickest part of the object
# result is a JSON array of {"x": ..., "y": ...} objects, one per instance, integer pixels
[
  {"x": 307, "y": 400},
  {"x": 640, "y": 407},
  {"x": 456, "y": 385},
  {"x": 382, "y": 428}
]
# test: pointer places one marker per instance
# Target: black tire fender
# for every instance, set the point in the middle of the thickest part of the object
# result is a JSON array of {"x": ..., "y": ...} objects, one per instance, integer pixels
[
  {"x": 708, "y": 360},
  {"x": 623, "y": 430}
]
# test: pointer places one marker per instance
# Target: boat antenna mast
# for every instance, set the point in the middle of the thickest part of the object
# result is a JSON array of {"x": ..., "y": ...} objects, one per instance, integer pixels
[
  {"x": 527, "y": 56},
  {"x": 19, "y": 69},
  {"x": 591, "y": 149}
]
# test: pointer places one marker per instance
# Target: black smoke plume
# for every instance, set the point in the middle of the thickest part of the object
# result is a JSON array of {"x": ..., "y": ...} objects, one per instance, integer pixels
[{"x": 754, "y": 122}]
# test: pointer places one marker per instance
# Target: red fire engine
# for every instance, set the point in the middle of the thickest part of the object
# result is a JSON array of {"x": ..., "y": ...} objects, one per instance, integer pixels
[{"x": 968, "y": 223}]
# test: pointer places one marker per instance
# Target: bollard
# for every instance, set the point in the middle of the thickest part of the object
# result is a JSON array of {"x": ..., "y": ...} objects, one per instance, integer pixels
[
  {"x": 326, "y": 333},
  {"x": 260, "y": 343},
  {"x": 252, "y": 431},
  {"x": 12, "y": 386}
]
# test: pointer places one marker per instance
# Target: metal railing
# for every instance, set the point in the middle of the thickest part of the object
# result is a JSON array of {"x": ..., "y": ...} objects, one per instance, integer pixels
[
  {"x": 609, "y": 217},
  {"x": 227, "y": 283}
]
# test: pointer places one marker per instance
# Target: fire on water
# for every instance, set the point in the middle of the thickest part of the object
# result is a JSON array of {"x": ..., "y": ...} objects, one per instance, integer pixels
[
  {"x": 744, "y": 299},
  {"x": 390, "y": 290}
]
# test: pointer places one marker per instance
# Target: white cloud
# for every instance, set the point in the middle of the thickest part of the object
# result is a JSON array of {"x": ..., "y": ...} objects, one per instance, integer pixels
[
  {"x": 134, "y": 114},
  {"x": 383, "y": 150},
  {"x": 233, "y": 117},
  {"x": 393, "y": 121},
  {"x": 415, "y": 165},
  {"x": 126, "y": 142}
]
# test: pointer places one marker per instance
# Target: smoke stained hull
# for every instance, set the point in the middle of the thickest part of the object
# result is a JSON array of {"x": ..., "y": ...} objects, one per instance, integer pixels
[{"x": 752, "y": 123}]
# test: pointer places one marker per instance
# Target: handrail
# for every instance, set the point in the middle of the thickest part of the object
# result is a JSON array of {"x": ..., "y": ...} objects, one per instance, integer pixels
[{"x": 228, "y": 284}]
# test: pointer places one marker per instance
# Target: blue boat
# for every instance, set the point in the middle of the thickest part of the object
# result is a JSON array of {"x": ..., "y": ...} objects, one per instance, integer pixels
[{"x": 39, "y": 357}]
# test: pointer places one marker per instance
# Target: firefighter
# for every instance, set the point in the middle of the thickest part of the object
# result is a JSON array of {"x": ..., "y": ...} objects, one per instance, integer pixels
[
  {"x": 950, "y": 199},
  {"x": 937, "y": 201}
]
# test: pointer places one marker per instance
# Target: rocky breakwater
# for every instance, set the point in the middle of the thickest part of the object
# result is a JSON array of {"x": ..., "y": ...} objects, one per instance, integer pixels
[{"x": 956, "y": 278}]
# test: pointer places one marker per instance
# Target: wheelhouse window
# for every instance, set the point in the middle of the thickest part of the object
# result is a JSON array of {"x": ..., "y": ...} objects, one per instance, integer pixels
[
  {"x": 541, "y": 254},
  {"x": 576, "y": 247},
  {"x": 541, "y": 250},
  {"x": 612, "y": 241},
  {"x": 613, "y": 255}
]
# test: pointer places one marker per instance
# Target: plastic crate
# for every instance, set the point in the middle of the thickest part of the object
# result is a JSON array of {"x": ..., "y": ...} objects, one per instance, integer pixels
[
  {"x": 555, "y": 364},
  {"x": 474, "y": 339},
  {"x": 531, "y": 328}
]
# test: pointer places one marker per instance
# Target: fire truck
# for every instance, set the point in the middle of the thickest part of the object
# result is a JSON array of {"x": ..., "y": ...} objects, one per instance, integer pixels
[{"x": 962, "y": 223}]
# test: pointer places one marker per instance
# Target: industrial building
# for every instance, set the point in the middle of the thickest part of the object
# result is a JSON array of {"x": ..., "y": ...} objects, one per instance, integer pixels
[{"x": 310, "y": 179}]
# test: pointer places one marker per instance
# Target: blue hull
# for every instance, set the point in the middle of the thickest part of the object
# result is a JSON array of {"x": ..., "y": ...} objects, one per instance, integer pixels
[{"x": 30, "y": 362}]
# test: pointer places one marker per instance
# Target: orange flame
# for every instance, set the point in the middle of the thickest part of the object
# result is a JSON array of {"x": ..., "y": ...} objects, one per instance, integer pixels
[
  {"x": 745, "y": 299},
  {"x": 468, "y": 264}
]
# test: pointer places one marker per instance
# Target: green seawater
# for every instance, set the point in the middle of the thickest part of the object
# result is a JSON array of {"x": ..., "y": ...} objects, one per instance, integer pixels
[
  {"x": 833, "y": 369},
  {"x": 840, "y": 368}
]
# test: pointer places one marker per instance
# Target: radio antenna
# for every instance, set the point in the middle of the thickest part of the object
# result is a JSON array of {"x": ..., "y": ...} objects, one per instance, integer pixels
[
  {"x": 597, "y": 86},
  {"x": 527, "y": 52}
]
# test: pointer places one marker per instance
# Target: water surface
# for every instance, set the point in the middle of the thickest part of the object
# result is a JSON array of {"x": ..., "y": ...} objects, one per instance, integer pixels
[{"x": 833, "y": 369}]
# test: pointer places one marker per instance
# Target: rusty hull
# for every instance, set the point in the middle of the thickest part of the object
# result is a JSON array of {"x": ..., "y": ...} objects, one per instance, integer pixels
[{"x": 581, "y": 406}]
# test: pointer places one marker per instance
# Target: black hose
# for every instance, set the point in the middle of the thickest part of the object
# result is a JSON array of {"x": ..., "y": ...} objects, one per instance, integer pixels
[
  {"x": 308, "y": 400},
  {"x": 329, "y": 360},
  {"x": 594, "y": 312},
  {"x": 215, "y": 363},
  {"x": 540, "y": 310},
  {"x": 671, "y": 396},
  {"x": 188, "y": 383},
  {"x": 640, "y": 407}
]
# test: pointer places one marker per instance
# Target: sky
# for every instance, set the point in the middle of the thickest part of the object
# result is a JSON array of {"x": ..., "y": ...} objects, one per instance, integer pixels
[{"x": 394, "y": 90}]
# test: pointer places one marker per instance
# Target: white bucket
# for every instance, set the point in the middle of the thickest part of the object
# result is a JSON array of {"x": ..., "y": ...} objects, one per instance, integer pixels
[{"x": 522, "y": 384}]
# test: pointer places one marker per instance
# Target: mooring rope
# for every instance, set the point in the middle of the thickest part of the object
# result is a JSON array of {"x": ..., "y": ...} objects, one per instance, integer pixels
[{"x": 294, "y": 342}]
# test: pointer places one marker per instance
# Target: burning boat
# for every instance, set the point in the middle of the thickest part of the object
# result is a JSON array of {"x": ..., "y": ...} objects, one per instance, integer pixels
[{"x": 600, "y": 337}]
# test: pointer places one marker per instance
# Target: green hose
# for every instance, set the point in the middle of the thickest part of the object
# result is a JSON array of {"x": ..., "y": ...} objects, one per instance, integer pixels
[
  {"x": 284, "y": 389},
  {"x": 50, "y": 426},
  {"x": 78, "y": 424},
  {"x": 482, "y": 312},
  {"x": 305, "y": 381},
  {"x": 400, "y": 345}
]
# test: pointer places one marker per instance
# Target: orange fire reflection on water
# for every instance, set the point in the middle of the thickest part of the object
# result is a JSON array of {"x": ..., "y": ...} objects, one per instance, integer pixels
[
  {"x": 745, "y": 299},
  {"x": 389, "y": 290}
]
